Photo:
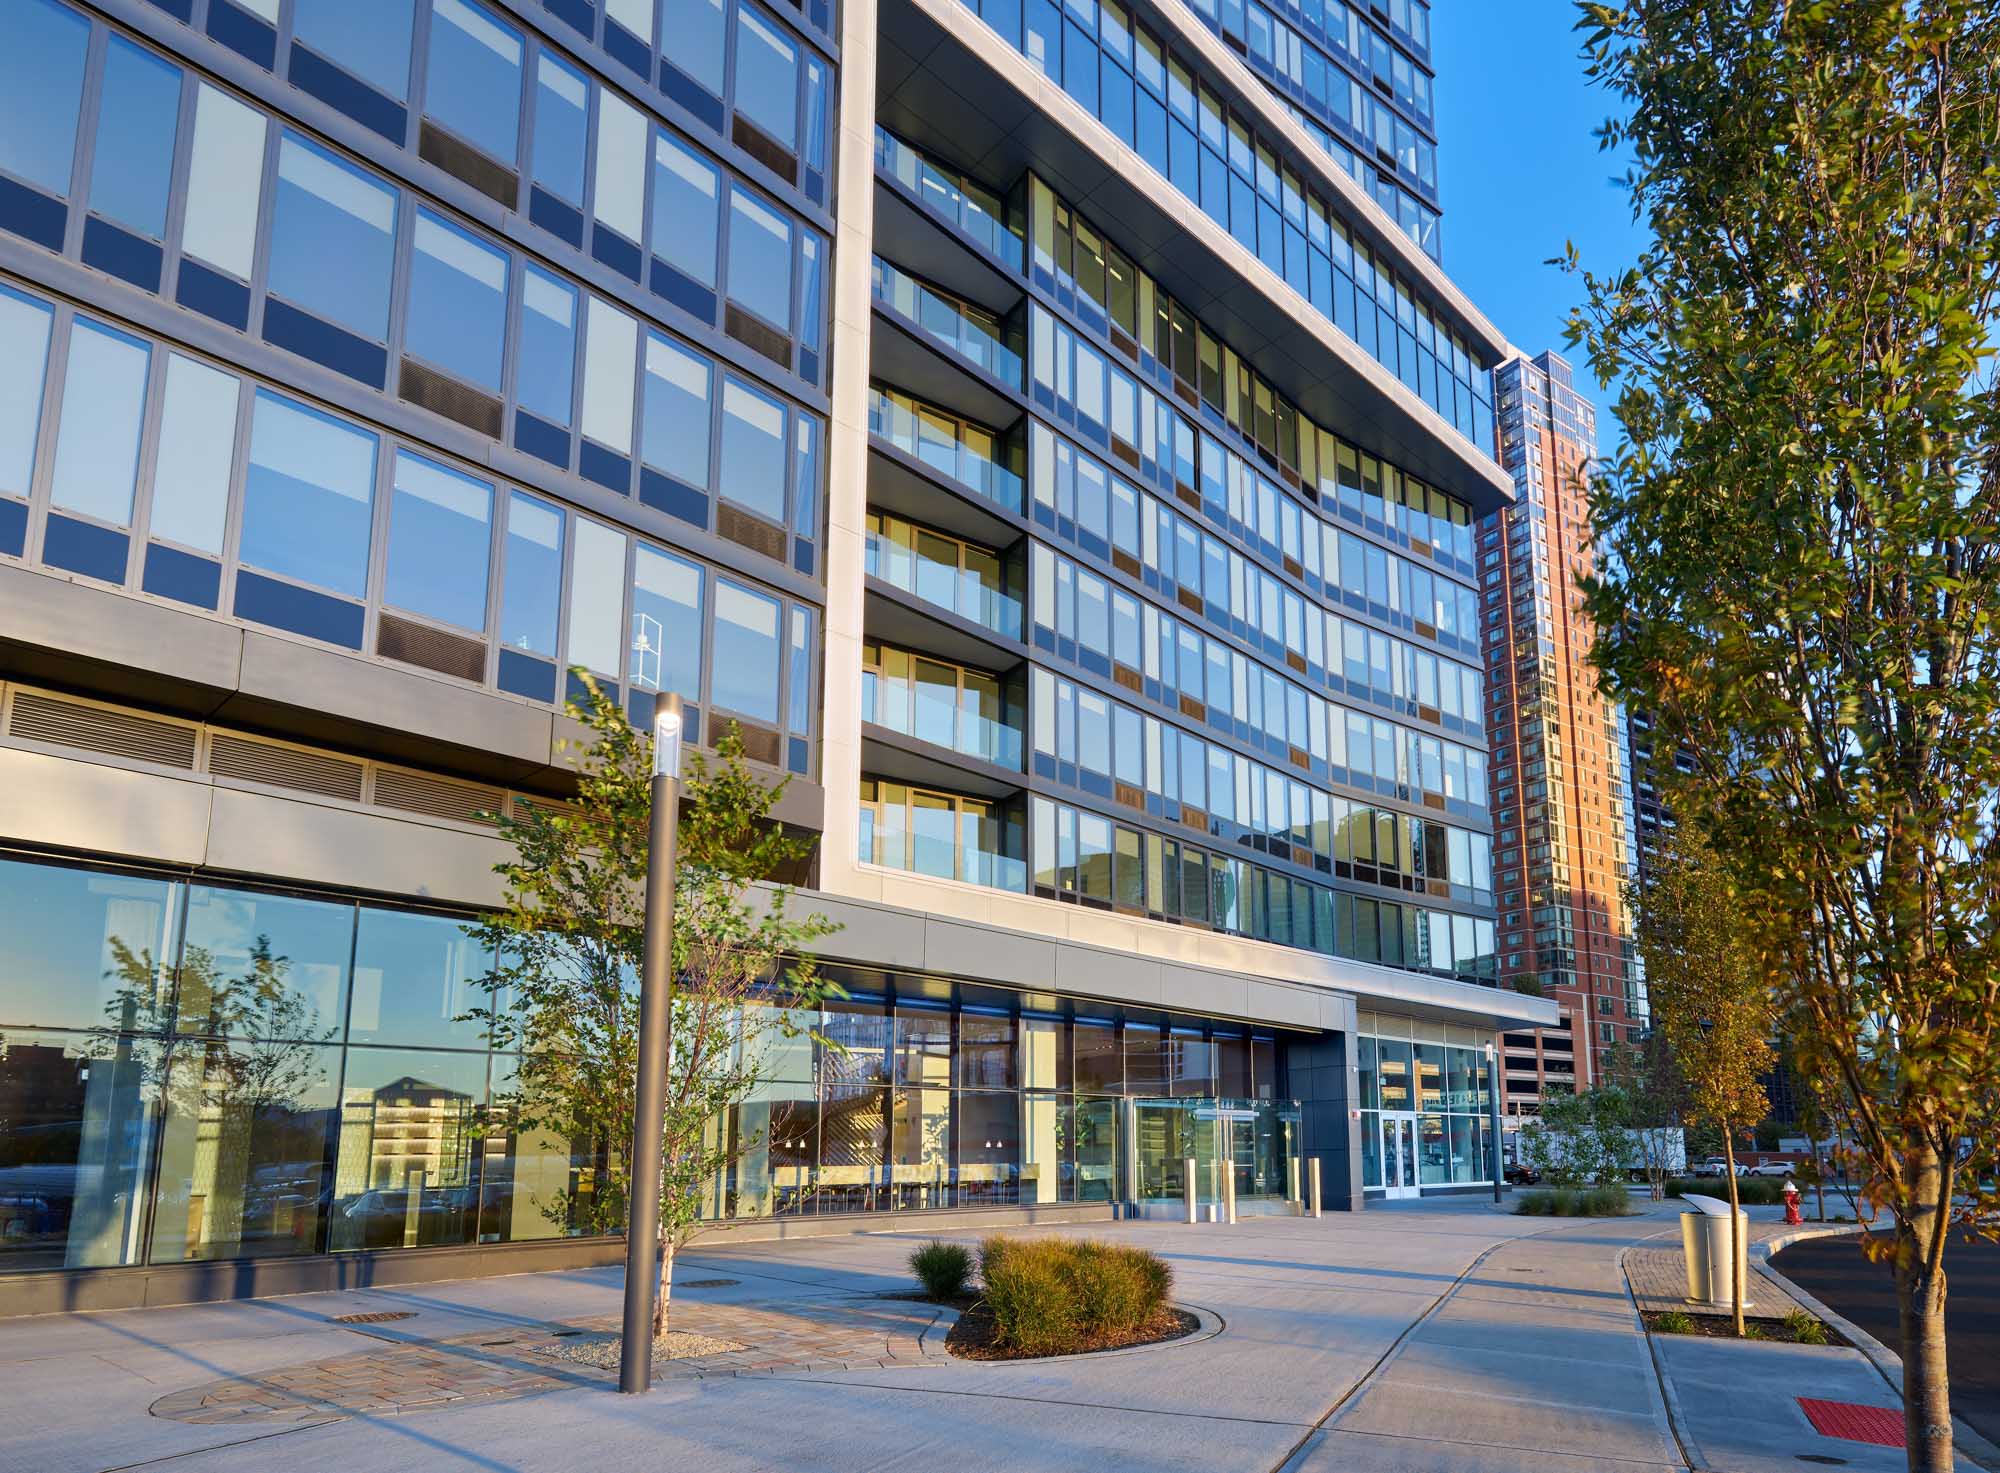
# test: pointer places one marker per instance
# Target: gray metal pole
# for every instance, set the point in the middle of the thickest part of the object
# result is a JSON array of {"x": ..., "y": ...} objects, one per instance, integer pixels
[
  {"x": 656, "y": 996},
  {"x": 1493, "y": 1093}
]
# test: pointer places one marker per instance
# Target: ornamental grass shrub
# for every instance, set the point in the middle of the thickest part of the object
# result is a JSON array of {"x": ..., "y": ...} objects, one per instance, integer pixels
[
  {"x": 1051, "y": 1296},
  {"x": 944, "y": 1269},
  {"x": 1575, "y": 1202},
  {"x": 1751, "y": 1191}
]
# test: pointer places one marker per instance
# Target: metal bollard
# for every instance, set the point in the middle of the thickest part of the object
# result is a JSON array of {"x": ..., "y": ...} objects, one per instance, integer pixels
[
  {"x": 1229, "y": 1192},
  {"x": 1291, "y": 1178},
  {"x": 1189, "y": 1189},
  {"x": 1312, "y": 1175}
]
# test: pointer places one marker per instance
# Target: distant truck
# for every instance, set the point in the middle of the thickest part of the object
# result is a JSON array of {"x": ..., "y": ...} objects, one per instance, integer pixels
[{"x": 1662, "y": 1145}]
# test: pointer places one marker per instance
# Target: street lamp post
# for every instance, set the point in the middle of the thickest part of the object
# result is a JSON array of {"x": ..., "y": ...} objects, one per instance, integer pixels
[
  {"x": 656, "y": 996},
  {"x": 1493, "y": 1105}
]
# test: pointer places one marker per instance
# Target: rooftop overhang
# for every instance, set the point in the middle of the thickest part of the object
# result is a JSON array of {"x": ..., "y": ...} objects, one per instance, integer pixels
[{"x": 950, "y": 84}]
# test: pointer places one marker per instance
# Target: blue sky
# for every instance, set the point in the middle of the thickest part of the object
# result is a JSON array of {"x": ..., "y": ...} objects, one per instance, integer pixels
[{"x": 1520, "y": 173}]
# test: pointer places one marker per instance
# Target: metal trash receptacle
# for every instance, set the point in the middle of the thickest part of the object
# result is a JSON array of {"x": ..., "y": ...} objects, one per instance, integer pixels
[{"x": 1705, "y": 1245}]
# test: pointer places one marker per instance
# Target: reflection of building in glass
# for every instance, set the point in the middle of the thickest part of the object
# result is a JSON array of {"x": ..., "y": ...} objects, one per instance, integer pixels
[{"x": 406, "y": 1133}]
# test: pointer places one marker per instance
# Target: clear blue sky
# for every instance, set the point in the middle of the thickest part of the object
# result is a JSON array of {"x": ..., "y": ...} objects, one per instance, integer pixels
[{"x": 1520, "y": 173}]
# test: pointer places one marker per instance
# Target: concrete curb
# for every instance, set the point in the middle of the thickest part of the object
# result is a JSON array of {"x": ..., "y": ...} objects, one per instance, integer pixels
[{"x": 1887, "y": 1363}]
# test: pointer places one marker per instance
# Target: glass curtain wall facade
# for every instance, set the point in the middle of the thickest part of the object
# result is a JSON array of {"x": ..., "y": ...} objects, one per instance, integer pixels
[
  {"x": 594, "y": 440},
  {"x": 1249, "y": 649},
  {"x": 1426, "y": 1105},
  {"x": 192, "y": 1071}
]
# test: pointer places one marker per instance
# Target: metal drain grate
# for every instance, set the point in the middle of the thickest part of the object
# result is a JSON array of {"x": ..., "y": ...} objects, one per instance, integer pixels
[
  {"x": 379, "y": 1317},
  {"x": 709, "y": 1283}
]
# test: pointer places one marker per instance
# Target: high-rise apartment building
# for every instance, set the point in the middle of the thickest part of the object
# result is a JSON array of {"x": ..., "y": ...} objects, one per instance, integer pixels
[
  {"x": 1046, "y": 432},
  {"x": 1562, "y": 797}
]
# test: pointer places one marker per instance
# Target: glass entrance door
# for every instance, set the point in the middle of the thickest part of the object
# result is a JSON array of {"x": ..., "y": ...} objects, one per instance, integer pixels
[{"x": 1399, "y": 1155}]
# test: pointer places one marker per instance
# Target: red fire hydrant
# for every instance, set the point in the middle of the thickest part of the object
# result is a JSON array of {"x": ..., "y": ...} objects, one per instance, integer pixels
[{"x": 1792, "y": 1214}]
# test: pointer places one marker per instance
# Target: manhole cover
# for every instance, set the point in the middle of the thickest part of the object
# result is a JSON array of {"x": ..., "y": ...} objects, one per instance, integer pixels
[
  {"x": 709, "y": 1283},
  {"x": 1877, "y": 1426},
  {"x": 378, "y": 1317}
]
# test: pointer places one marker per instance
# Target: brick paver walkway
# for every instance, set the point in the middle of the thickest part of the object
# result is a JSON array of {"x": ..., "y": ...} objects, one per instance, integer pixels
[
  {"x": 778, "y": 1338},
  {"x": 1658, "y": 1275}
]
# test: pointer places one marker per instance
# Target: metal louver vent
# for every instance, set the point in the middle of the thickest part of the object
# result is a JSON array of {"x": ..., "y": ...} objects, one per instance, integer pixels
[
  {"x": 438, "y": 147},
  {"x": 39, "y": 718},
  {"x": 765, "y": 149},
  {"x": 253, "y": 761},
  {"x": 418, "y": 792},
  {"x": 753, "y": 334},
  {"x": 751, "y": 532},
  {"x": 521, "y": 805},
  {"x": 760, "y": 744},
  {"x": 434, "y": 649},
  {"x": 428, "y": 389}
]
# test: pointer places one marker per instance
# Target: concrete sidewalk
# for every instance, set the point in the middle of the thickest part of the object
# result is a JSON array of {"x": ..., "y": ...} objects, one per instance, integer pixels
[{"x": 1438, "y": 1335}]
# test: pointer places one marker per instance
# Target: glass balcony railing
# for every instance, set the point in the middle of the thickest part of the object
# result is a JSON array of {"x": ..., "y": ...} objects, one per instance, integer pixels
[
  {"x": 961, "y": 577},
  {"x": 979, "y": 337},
  {"x": 954, "y": 706},
  {"x": 952, "y": 197},
  {"x": 977, "y": 458},
  {"x": 942, "y": 834}
]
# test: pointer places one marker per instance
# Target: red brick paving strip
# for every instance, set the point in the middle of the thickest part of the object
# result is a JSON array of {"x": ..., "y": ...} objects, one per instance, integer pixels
[
  {"x": 777, "y": 1339},
  {"x": 1879, "y": 1426}
]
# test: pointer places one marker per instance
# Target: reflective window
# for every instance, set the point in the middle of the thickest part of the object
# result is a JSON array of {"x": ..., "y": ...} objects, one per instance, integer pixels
[
  {"x": 85, "y": 949},
  {"x": 676, "y": 431},
  {"x": 333, "y": 239},
  {"x": 78, "y": 1114},
  {"x": 609, "y": 353},
  {"x": 686, "y": 190},
  {"x": 533, "y": 589},
  {"x": 760, "y": 258},
  {"x": 133, "y": 157},
  {"x": 562, "y": 126},
  {"x": 370, "y": 38},
  {"x": 596, "y": 597},
  {"x": 41, "y": 85},
  {"x": 225, "y": 182},
  {"x": 24, "y": 325},
  {"x": 745, "y": 678},
  {"x": 97, "y": 444},
  {"x": 619, "y": 184},
  {"x": 691, "y": 38},
  {"x": 409, "y": 1152},
  {"x": 666, "y": 623},
  {"x": 415, "y": 977},
  {"x": 767, "y": 77},
  {"x": 264, "y": 966},
  {"x": 457, "y": 316},
  {"x": 308, "y": 499},
  {"x": 753, "y": 450},
  {"x": 440, "y": 528},
  {"x": 545, "y": 358},
  {"x": 196, "y": 453},
  {"x": 474, "y": 82}
]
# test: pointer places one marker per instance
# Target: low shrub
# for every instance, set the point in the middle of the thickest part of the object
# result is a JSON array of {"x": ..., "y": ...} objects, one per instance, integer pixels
[
  {"x": 1575, "y": 1202},
  {"x": 1804, "y": 1329},
  {"x": 1674, "y": 1322},
  {"x": 1751, "y": 1191},
  {"x": 1050, "y": 1296},
  {"x": 944, "y": 1269}
]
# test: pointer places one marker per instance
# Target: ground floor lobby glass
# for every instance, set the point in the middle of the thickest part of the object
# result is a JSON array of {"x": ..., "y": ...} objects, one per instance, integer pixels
[
  {"x": 1425, "y": 1103},
  {"x": 193, "y": 1071}
]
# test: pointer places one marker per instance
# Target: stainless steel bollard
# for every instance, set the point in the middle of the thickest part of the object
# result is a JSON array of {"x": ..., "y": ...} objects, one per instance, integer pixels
[
  {"x": 1291, "y": 1178},
  {"x": 1229, "y": 1192},
  {"x": 1190, "y": 1189},
  {"x": 1312, "y": 1176}
]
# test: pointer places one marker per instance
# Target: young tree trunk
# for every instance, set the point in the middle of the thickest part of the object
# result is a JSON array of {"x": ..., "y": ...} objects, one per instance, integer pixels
[
  {"x": 1735, "y": 1235},
  {"x": 1920, "y": 1308},
  {"x": 1819, "y": 1175},
  {"x": 663, "y": 1298}
]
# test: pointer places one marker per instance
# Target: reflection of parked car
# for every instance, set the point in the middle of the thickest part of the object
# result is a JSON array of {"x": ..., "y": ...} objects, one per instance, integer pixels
[{"x": 25, "y": 1217}]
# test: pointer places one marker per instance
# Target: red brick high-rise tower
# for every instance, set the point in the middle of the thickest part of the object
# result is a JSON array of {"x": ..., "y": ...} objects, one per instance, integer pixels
[{"x": 1561, "y": 784}]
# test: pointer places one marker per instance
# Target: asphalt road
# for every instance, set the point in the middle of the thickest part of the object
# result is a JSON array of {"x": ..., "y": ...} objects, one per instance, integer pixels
[{"x": 1834, "y": 1271}]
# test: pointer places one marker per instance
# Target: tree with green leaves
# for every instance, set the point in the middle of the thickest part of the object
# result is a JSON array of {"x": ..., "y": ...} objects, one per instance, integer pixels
[
  {"x": 1802, "y": 568},
  {"x": 1650, "y": 1075},
  {"x": 1710, "y": 998},
  {"x": 564, "y": 991},
  {"x": 1581, "y": 1137}
]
